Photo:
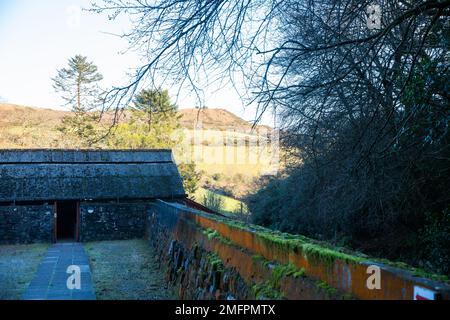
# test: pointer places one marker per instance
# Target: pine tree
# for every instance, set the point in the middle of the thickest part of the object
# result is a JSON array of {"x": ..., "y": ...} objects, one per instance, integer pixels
[
  {"x": 154, "y": 123},
  {"x": 78, "y": 85},
  {"x": 154, "y": 108}
]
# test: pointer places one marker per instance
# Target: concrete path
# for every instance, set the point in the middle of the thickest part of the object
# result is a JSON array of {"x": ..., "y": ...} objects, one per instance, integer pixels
[{"x": 50, "y": 281}]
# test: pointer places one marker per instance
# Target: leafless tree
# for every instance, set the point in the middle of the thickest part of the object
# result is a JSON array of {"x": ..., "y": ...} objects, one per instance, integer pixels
[
  {"x": 193, "y": 42},
  {"x": 367, "y": 104},
  {"x": 283, "y": 49}
]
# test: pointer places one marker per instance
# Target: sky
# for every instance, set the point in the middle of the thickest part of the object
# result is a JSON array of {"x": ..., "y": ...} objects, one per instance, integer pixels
[{"x": 38, "y": 37}]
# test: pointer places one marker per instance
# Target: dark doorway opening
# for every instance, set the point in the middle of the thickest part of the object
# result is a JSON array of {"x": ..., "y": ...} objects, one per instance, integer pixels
[{"x": 66, "y": 220}]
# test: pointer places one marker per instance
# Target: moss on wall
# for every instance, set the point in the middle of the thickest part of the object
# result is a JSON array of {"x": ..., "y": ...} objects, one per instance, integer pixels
[
  {"x": 313, "y": 250},
  {"x": 213, "y": 234},
  {"x": 276, "y": 265}
]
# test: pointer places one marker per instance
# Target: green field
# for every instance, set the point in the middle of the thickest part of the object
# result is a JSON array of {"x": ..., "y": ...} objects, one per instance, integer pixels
[{"x": 220, "y": 203}]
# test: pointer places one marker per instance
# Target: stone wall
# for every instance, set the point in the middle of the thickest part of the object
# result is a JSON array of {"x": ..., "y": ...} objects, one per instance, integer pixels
[
  {"x": 194, "y": 272},
  {"x": 211, "y": 257},
  {"x": 199, "y": 274},
  {"x": 112, "y": 221},
  {"x": 26, "y": 224},
  {"x": 203, "y": 265}
]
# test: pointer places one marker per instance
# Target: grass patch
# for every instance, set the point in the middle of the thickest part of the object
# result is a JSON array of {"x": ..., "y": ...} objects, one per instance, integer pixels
[
  {"x": 329, "y": 290},
  {"x": 215, "y": 262},
  {"x": 18, "y": 265},
  {"x": 227, "y": 205},
  {"x": 257, "y": 258},
  {"x": 213, "y": 234},
  {"x": 271, "y": 288},
  {"x": 266, "y": 290},
  {"x": 126, "y": 270}
]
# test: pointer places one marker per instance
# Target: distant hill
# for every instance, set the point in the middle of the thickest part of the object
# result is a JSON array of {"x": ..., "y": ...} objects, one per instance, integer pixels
[
  {"x": 12, "y": 114},
  {"x": 218, "y": 119},
  {"x": 233, "y": 167},
  {"x": 31, "y": 127},
  {"x": 26, "y": 127}
]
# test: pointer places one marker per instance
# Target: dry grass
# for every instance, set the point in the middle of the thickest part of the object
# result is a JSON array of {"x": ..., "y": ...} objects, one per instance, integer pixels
[
  {"x": 18, "y": 264},
  {"x": 126, "y": 270},
  {"x": 218, "y": 119}
]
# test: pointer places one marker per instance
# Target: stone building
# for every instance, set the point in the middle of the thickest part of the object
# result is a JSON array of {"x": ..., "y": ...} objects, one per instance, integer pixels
[{"x": 55, "y": 195}]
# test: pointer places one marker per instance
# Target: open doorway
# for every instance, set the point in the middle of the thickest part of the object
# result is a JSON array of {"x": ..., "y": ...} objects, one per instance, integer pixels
[{"x": 66, "y": 221}]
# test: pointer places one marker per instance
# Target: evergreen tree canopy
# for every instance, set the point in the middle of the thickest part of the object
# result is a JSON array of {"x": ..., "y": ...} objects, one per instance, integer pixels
[
  {"x": 78, "y": 85},
  {"x": 153, "y": 107},
  {"x": 154, "y": 123}
]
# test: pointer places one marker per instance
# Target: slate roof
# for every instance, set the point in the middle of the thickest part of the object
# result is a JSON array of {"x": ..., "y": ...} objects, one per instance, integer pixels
[{"x": 36, "y": 175}]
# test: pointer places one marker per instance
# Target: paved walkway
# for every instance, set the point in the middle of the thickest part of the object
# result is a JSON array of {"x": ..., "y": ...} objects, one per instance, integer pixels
[{"x": 50, "y": 281}]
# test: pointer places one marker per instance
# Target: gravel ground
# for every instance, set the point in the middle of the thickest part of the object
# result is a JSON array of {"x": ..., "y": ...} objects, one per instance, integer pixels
[
  {"x": 126, "y": 270},
  {"x": 18, "y": 264}
]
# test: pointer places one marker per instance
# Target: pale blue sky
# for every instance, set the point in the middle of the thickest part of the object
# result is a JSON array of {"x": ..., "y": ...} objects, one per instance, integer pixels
[{"x": 38, "y": 37}]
